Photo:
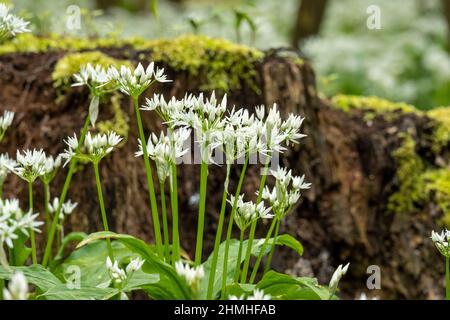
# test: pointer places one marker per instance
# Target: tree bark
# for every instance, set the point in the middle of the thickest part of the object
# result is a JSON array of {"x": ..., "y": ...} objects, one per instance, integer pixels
[{"x": 309, "y": 19}]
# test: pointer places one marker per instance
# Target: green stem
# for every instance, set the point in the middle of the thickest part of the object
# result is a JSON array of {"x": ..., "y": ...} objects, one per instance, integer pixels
[
  {"x": 32, "y": 235},
  {"x": 62, "y": 198},
  {"x": 272, "y": 248},
  {"x": 253, "y": 226},
  {"x": 239, "y": 257},
  {"x": 165, "y": 225},
  {"x": 201, "y": 212},
  {"x": 212, "y": 274},
  {"x": 102, "y": 209},
  {"x": 230, "y": 225},
  {"x": 1, "y": 190},
  {"x": 174, "y": 206},
  {"x": 46, "y": 202},
  {"x": 151, "y": 188},
  {"x": 263, "y": 249},
  {"x": 447, "y": 278}
]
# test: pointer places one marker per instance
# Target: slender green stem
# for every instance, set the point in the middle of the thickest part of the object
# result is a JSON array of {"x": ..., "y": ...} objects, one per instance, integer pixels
[
  {"x": 164, "y": 218},
  {"x": 263, "y": 249},
  {"x": 447, "y": 278},
  {"x": 174, "y": 206},
  {"x": 201, "y": 212},
  {"x": 46, "y": 202},
  {"x": 272, "y": 247},
  {"x": 32, "y": 235},
  {"x": 151, "y": 188},
  {"x": 1, "y": 190},
  {"x": 230, "y": 226},
  {"x": 212, "y": 274},
  {"x": 239, "y": 257},
  {"x": 62, "y": 198},
  {"x": 102, "y": 209},
  {"x": 253, "y": 226}
]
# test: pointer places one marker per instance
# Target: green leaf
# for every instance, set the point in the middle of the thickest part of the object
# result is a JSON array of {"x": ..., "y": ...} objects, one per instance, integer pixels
[
  {"x": 154, "y": 8},
  {"x": 289, "y": 241},
  {"x": 21, "y": 251},
  {"x": 141, "y": 280},
  {"x": 36, "y": 275},
  {"x": 63, "y": 292}
]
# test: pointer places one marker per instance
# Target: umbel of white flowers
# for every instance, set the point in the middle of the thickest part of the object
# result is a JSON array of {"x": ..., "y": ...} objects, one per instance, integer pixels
[
  {"x": 120, "y": 277},
  {"x": 192, "y": 275},
  {"x": 337, "y": 275},
  {"x": 5, "y": 122},
  {"x": 165, "y": 150},
  {"x": 17, "y": 288},
  {"x": 93, "y": 149},
  {"x": 257, "y": 295},
  {"x": 51, "y": 167},
  {"x": 10, "y": 25},
  {"x": 29, "y": 165},
  {"x": 247, "y": 212},
  {"x": 441, "y": 241},
  {"x": 5, "y": 163},
  {"x": 66, "y": 208},
  {"x": 14, "y": 221}
]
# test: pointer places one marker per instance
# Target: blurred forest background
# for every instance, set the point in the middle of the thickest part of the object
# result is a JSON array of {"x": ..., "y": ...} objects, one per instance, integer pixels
[{"x": 408, "y": 59}]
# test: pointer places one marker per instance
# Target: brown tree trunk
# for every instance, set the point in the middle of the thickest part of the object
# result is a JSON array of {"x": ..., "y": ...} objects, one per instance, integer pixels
[
  {"x": 347, "y": 158},
  {"x": 309, "y": 19}
]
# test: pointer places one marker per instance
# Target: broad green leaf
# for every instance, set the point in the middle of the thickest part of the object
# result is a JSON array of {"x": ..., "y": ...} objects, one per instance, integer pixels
[
  {"x": 36, "y": 275},
  {"x": 289, "y": 241},
  {"x": 21, "y": 251},
  {"x": 140, "y": 280},
  {"x": 63, "y": 292}
]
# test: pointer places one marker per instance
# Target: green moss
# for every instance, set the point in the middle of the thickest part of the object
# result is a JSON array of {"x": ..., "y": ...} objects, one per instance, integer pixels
[
  {"x": 120, "y": 122},
  {"x": 437, "y": 187},
  {"x": 441, "y": 135},
  {"x": 71, "y": 63},
  {"x": 377, "y": 105},
  {"x": 217, "y": 63},
  {"x": 409, "y": 174}
]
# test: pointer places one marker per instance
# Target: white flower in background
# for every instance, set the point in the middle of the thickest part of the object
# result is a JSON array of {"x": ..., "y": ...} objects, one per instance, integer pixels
[
  {"x": 192, "y": 275},
  {"x": 10, "y": 25},
  {"x": 29, "y": 165},
  {"x": 5, "y": 122},
  {"x": 51, "y": 167},
  {"x": 66, "y": 208},
  {"x": 135, "y": 82},
  {"x": 257, "y": 295},
  {"x": 120, "y": 277},
  {"x": 441, "y": 241},
  {"x": 337, "y": 275},
  {"x": 14, "y": 221},
  {"x": 96, "y": 78},
  {"x": 167, "y": 111},
  {"x": 165, "y": 150},
  {"x": 286, "y": 191},
  {"x": 17, "y": 288},
  {"x": 5, "y": 163},
  {"x": 247, "y": 212},
  {"x": 94, "y": 147},
  {"x": 232, "y": 297},
  {"x": 363, "y": 296}
]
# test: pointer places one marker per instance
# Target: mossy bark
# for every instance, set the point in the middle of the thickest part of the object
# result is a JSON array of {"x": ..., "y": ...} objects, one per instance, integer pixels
[{"x": 348, "y": 158}]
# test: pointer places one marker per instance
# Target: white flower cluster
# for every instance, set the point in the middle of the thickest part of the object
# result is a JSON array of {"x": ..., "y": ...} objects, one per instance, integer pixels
[
  {"x": 17, "y": 287},
  {"x": 193, "y": 275},
  {"x": 51, "y": 167},
  {"x": 119, "y": 276},
  {"x": 66, "y": 208},
  {"x": 29, "y": 164},
  {"x": 10, "y": 25},
  {"x": 286, "y": 191},
  {"x": 94, "y": 147},
  {"x": 257, "y": 295},
  {"x": 5, "y": 122},
  {"x": 442, "y": 242},
  {"x": 13, "y": 221},
  {"x": 337, "y": 275},
  {"x": 135, "y": 82},
  {"x": 247, "y": 212},
  {"x": 165, "y": 150},
  {"x": 94, "y": 77},
  {"x": 5, "y": 163}
]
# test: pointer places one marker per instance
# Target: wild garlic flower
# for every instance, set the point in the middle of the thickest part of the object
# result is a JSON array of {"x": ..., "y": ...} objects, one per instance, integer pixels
[
  {"x": 135, "y": 82},
  {"x": 14, "y": 221},
  {"x": 17, "y": 287},
  {"x": 95, "y": 78},
  {"x": 257, "y": 295},
  {"x": 51, "y": 167},
  {"x": 192, "y": 275},
  {"x": 247, "y": 212},
  {"x": 10, "y": 25},
  {"x": 66, "y": 208},
  {"x": 286, "y": 191},
  {"x": 5, "y": 122},
  {"x": 337, "y": 275},
  {"x": 120, "y": 277},
  {"x": 5, "y": 164},
  {"x": 165, "y": 150},
  {"x": 166, "y": 110},
  {"x": 442, "y": 242},
  {"x": 94, "y": 147},
  {"x": 29, "y": 165}
]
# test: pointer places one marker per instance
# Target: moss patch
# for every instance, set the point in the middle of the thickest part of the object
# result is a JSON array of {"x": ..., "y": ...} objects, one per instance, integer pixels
[
  {"x": 216, "y": 63},
  {"x": 441, "y": 136},
  {"x": 120, "y": 122},
  {"x": 437, "y": 186}
]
